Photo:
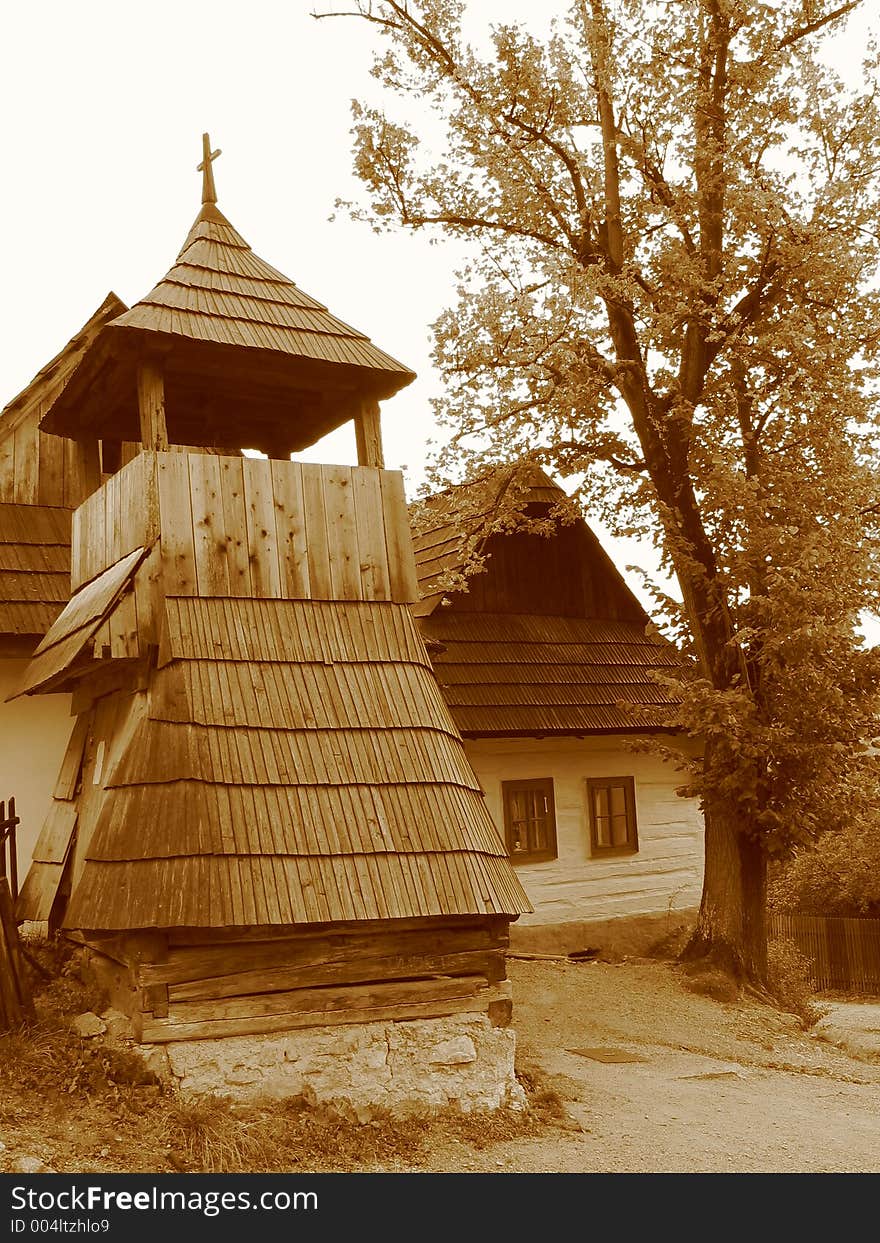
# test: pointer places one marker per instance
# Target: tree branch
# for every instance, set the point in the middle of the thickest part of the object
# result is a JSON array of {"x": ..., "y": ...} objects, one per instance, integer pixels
[{"x": 810, "y": 28}]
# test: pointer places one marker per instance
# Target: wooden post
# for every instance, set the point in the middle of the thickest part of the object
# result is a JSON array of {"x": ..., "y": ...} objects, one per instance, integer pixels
[
  {"x": 8, "y": 822},
  {"x": 15, "y": 999},
  {"x": 151, "y": 404},
  {"x": 87, "y": 467},
  {"x": 13, "y": 850},
  {"x": 368, "y": 434}
]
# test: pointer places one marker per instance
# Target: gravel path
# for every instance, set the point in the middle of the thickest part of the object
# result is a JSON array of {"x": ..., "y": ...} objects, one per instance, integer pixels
[{"x": 728, "y": 1088}]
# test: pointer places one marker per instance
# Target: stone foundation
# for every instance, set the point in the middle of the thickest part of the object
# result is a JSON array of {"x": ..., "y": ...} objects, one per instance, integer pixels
[
  {"x": 626, "y": 935},
  {"x": 410, "y": 1066}
]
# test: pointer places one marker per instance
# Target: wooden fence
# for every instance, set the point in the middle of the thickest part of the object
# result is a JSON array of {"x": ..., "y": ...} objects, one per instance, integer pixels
[
  {"x": 845, "y": 953},
  {"x": 9, "y": 821},
  {"x": 16, "y": 1005}
]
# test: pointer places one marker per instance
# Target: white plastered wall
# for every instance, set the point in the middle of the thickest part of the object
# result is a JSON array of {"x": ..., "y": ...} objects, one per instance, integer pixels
[
  {"x": 666, "y": 873},
  {"x": 34, "y": 732}
]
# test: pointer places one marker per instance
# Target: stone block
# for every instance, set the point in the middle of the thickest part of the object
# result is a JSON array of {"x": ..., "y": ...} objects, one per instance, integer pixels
[
  {"x": 456, "y": 1052},
  {"x": 88, "y": 1025}
]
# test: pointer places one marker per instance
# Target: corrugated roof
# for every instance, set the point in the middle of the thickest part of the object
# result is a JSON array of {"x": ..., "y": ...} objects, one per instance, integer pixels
[
  {"x": 521, "y": 675},
  {"x": 295, "y": 763},
  {"x": 34, "y": 567}
]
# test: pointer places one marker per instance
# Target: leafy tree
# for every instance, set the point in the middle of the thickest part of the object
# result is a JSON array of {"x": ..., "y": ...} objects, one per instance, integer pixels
[{"x": 674, "y": 206}]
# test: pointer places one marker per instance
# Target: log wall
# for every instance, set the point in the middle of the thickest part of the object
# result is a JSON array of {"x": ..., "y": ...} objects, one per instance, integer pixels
[
  {"x": 664, "y": 875},
  {"x": 184, "y": 986}
]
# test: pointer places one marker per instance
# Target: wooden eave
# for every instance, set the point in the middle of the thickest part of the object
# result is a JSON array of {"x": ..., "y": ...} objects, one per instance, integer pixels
[
  {"x": 64, "y": 364},
  {"x": 65, "y": 655}
]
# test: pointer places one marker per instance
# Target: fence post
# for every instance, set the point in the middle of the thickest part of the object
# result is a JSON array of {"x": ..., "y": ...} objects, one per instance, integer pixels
[
  {"x": 8, "y": 822},
  {"x": 13, "y": 851}
]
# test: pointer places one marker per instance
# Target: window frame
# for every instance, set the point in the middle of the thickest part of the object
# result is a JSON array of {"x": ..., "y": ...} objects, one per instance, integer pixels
[
  {"x": 631, "y": 847},
  {"x": 508, "y": 788}
]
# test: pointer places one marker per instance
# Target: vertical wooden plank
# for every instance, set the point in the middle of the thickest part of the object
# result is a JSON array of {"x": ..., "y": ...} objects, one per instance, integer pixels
[
  {"x": 398, "y": 539},
  {"x": 78, "y": 529},
  {"x": 368, "y": 435},
  {"x": 84, "y": 470},
  {"x": 261, "y": 541},
  {"x": 111, "y": 492},
  {"x": 50, "y": 487},
  {"x": 209, "y": 533},
  {"x": 316, "y": 533},
  {"x": 235, "y": 525},
  {"x": 148, "y": 596},
  {"x": 7, "y": 467},
  {"x": 27, "y": 463},
  {"x": 175, "y": 524},
  {"x": 93, "y": 552},
  {"x": 124, "y": 627},
  {"x": 373, "y": 553},
  {"x": 290, "y": 529},
  {"x": 137, "y": 515},
  {"x": 342, "y": 533}
]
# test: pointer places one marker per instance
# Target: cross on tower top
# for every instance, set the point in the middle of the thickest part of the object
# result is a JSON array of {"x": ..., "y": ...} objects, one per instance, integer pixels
[{"x": 206, "y": 168}]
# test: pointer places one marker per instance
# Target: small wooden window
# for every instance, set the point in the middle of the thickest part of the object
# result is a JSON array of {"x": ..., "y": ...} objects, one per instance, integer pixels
[
  {"x": 529, "y": 819},
  {"x": 612, "y": 804}
]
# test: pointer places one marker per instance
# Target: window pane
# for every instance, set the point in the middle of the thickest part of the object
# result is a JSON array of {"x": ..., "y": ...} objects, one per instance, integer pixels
[
  {"x": 603, "y": 831},
  {"x": 613, "y": 814},
  {"x": 529, "y": 820},
  {"x": 618, "y": 830},
  {"x": 618, "y": 801}
]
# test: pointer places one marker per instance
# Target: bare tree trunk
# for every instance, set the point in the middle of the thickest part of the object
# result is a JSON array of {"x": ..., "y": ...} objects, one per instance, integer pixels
[{"x": 731, "y": 931}]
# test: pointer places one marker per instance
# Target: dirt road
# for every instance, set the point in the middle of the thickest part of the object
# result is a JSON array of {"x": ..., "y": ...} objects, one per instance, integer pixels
[
  {"x": 728, "y": 1088},
  {"x": 709, "y": 1087}
]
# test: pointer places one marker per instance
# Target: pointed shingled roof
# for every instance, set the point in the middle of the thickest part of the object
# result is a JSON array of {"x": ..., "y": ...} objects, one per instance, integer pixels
[
  {"x": 246, "y": 354},
  {"x": 219, "y": 290}
]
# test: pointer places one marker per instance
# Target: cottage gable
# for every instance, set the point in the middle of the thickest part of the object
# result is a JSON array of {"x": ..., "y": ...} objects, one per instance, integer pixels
[{"x": 547, "y": 639}]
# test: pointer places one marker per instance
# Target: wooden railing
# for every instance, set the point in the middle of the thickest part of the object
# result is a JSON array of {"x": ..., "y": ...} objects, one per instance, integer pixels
[
  {"x": 845, "y": 953},
  {"x": 9, "y": 821}
]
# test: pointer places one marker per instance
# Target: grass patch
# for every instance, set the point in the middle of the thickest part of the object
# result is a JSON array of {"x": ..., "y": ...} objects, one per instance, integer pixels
[{"x": 790, "y": 977}]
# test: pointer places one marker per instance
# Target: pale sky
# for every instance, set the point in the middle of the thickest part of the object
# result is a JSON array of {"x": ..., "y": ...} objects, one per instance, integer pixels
[{"x": 103, "y": 105}]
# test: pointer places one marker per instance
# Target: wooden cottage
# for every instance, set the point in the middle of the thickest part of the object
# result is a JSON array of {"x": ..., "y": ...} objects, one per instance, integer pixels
[
  {"x": 547, "y": 669},
  {"x": 265, "y": 821},
  {"x": 41, "y": 483}
]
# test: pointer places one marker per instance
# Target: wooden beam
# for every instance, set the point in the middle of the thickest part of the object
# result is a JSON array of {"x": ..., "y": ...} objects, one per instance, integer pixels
[
  {"x": 175, "y": 1027},
  {"x": 368, "y": 434},
  {"x": 87, "y": 467},
  {"x": 151, "y": 404}
]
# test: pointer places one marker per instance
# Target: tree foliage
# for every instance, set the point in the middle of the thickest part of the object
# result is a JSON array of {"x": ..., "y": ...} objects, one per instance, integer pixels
[{"x": 672, "y": 295}]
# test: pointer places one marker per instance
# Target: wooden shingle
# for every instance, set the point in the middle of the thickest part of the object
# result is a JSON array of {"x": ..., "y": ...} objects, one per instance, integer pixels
[
  {"x": 34, "y": 568},
  {"x": 294, "y": 763}
]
